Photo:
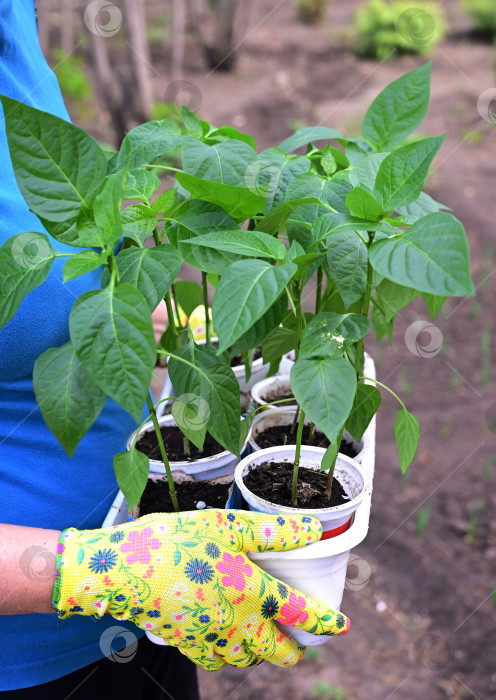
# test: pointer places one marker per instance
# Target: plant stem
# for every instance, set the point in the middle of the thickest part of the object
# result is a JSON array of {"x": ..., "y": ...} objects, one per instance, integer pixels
[
  {"x": 369, "y": 379},
  {"x": 186, "y": 446},
  {"x": 330, "y": 476},
  {"x": 365, "y": 307},
  {"x": 311, "y": 434},
  {"x": 170, "y": 480},
  {"x": 294, "y": 484},
  {"x": 170, "y": 314},
  {"x": 295, "y": 420},
  {"x": 319, "y": 290},
  {"x": 205, "y": 306}
]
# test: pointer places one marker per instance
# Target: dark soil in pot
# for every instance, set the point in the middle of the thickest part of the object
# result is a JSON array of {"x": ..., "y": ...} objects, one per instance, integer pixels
[
  {"x": 156, "y": 497},
  {"x": 238, "y": 359},
  {"x": 272, "y": 481},
  {"x": 278, "y": 435},
  {"x": 278, "y": 395},
  {"x": 174, "y": 445}
]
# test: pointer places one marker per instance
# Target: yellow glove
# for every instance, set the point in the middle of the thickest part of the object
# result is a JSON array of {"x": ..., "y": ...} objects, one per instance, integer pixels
[{"x": 185, "y": 577}]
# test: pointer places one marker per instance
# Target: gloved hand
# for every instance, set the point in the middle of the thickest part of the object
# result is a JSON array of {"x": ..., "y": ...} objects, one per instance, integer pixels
[{"x": 185, "y": 577}]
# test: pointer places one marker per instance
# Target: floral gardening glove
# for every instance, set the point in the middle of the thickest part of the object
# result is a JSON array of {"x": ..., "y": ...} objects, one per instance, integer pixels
[{"x": 186, "y": 578}]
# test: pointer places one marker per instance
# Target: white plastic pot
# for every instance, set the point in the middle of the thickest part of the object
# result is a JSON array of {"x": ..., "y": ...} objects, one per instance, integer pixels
[
  {"x": 119, "y": 514},
  {"x": 319, "y": 569},
  {"x": 260, "y": 392},
  {"x": 285, "y": 416},
  {"x": 287, "y": 362},
  {"x": 221, "y": 464}
]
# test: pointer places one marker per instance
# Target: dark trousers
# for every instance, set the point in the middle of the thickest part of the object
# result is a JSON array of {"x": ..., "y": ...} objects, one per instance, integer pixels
[{"x": 153, "y": 673}]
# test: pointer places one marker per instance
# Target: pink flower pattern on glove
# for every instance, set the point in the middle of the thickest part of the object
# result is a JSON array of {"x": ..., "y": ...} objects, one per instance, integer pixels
[
  {"x": 140, "y": 543},
  {"x": 235, "y": 569},
  {"x": 293, "y": 612}
]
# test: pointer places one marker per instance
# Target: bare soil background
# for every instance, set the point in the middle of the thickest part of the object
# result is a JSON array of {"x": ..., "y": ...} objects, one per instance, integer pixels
[{"x": 423, "y": 627}]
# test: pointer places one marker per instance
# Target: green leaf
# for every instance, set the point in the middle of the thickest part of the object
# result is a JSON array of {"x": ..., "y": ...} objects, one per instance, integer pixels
[
  {"x": 365, "y": 406},
  {"x": 398, "y": 110},
  {"x": 188, "y": 295},
  {"x": 131, "y": 470},
  {"x": 251, "y": 243},
  {"x": 138, "y": 218},
  {"x": 347, "y": 261},
  {"x": 423, "y": 205},
  {"x": 196, "y": 218},
  {"x": 328, "y": 161},
  {"x": 150, "y": 270},
  {"x": 81, "y": 263},
  {"x": 325, "y": 389},
  {"x": 245, "y": 428},
  {"x": 226, "y": 162},
  {"x": 274, "y": 222},
  {"x": 329, "y": 457},
  {"x": 59, "y": 168},
  {"x": 25, "y": 261},
  {"x": 402, "y": 174},
  {"x": 191, "y": 122},
  {"x": 147, "y": 142},
  {"x": 247, "y": 289},
  {"x": 329, "y": 334},
  {"x": 433, "y": 303},
  {"x": 278, "y": 343},
  {"x": 80, "y": 556},
  {"x": 257, "y": 333},
  {"x": 107, "y": 209},
  {"x": 200, "y": 372},
  {"x": 395, "y": 297},
  {"x": 165, "y": 202},
  {"x": 177, "y": 557},
  {"x": 302, "y": 137},
  {"x": 332, "y": 223},
  {"x": 364, "y": 172},
  {"x": 272, "y": 174},
  {"x": 113, "y": 335},
  {"x": 68, "y": 398},
  {"x": 141, "y": 184},
  {"x": 229, "y": 132},
  {"x": 432, "y": 256},
  {"x": 407, "y": 434},
  {"x": 239, "y": 202},
  {"x": 363, "y": 205},
  {"x": 381, "y": 326}
]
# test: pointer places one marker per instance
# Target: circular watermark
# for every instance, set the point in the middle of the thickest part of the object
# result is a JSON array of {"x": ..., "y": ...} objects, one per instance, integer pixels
[
  {"x": 431, "y": 651},
  {"x": 31, "y": 250},
  {"x": 114, "y": 637},
  {"x": 191, "y": 412},
  {"x": 263, "y": 178},
  {"x": 486, "y": 105},
  {"x": 38, "y": 564},
  {"x": 184, "y": 93},
  {"x": 416, "y": 26},
  {"x": 358, "y": 573},
  {"x": 424, "y": 339},
  {"x": 103, "y": 18}
]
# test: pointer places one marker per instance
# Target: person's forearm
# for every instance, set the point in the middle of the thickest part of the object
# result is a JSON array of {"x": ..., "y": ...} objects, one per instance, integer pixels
[{"x": 27, "y": 569}]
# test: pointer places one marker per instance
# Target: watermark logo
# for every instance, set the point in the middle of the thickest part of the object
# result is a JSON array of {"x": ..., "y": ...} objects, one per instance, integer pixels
[
  {"x": 486, "y": 106},
  {"x": 184, "y": 93},
  {"x": 191, "y": 412},
  {"x": 38, "y": 564},
  {"x": 431, "y": 651},
  {"x": 263, "y": 178},
  {"x": 103, "y": 18},
  {"x": 416, "y": 26},
  {"x": 424, "y": 339},
  {"x": 31, "y": 250},
  {"x": 358, "y": 573},
  {"x": 111, "y": 643}
]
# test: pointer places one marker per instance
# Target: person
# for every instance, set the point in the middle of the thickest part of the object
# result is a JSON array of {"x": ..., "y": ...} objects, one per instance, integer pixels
[{"x": 47, "y": 498}]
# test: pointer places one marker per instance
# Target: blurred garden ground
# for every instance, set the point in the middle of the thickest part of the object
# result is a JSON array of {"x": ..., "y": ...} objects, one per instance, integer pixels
[{"x": 421, "y": 592}]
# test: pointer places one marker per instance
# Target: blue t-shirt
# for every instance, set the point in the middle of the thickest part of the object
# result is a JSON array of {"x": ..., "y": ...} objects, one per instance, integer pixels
[{"x": 39, "y": 485}]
